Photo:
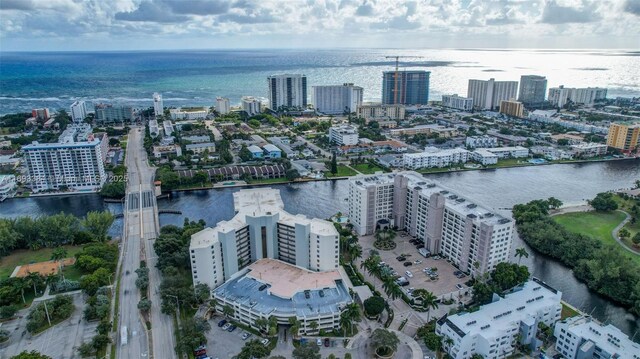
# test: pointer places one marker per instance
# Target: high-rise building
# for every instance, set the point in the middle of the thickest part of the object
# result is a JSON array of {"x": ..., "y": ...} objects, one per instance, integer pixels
[
  {"x": 41, "y": 114},
  {"x": 338, "y": 99},
  {"x": 533, "y": 88},
  {"x": 409, "y": 88},
  {"x": 457, "y": 102},
  {"x": 158, "y": 106},
  {"x": 512, "y": 108},
  {"x": 287, "y": 90},
  {"x": 110, "y": 113},
  {"x": 78, "y": 111},
  {"x": 559, "y": 96},
  {"x": 487, "y": 95},
  {"x": 497, "y": 328},
  {"x": 473, "y": 237},
  {"x": 222, "y": 105},
  {"x": 625, "y": 137},
  {"x": 582, "y": 337},
  {"x": 377, "y": 111},
  {"x": 251, "y": 105}
]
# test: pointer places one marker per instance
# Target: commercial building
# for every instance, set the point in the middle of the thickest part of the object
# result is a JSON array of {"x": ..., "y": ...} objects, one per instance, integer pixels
[
  {"x": 481, "y": 142},
  {"x": 533, "y": 89},
  {"x": 512, "y": 108},
  {"x": 201, "y": 147},
  {"x": 75, "y": 162},
  {"x": 405, "y": 87},
  {"x": 41, "y": 114},
  {"x": 487, "y": 95},
  {"x": 222, "y": 105},
  {"x": 344, "y": 135},
  {"x": 198, "y": 113},
  {"x": 495, "y": 329},
  {"x": 484, "y": 157},
  {"x": 582, "y": 338},
  {"x": 589, "y": 149},
  {"x": 624, "y": 136},
  {"x": 110, "y": 113},
  {"x": 450, "y": 224},
  {"x": 434, "y": 157},
  {"x": 251, "y": 105},
  {"x": 426, "y": 129},
  {"x": 158, "y": 105},
  {"x": 337, "y": 100},
  {"x": 510, "y": 152},
  {"x": 287, "y": 90},
  {"x": 78, "y": 111},
  {"x": 559, "y": 96},
  {"x": 457, "y": 102},
  {"x": 372, "y": 111}
]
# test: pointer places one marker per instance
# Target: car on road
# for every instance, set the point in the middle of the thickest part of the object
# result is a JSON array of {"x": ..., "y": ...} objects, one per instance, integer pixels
[
  {"x": 407, "y": 264},
  {"x": 408, "y": 274},
  {"x": 417, "y": 261},
  {"x": 459, "y": 286},
  {"x": 246, "y": 336},
  {"x": 401, "y": 258},
  {"x": 221, "y": 323},
  {"x": 327, "y": 342},
  {"x": 319, "y": 342},
  {"x": 231, "y": 328},
  {"x": 226, "y": 326},
  {"x": 264, "y": 341}
]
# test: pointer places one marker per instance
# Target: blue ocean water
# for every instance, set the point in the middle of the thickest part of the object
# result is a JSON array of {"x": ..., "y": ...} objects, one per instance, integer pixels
[{"x": 56, "y": 79}]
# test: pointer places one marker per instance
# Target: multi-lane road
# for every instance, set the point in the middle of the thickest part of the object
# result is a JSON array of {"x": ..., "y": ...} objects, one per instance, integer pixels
[{"x": 141, "y": 227}]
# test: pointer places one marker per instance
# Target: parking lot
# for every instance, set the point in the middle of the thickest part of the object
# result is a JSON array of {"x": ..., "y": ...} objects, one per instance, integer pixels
[
  {"x": 446, "y": 282},
  {"x": 224, "y": 344}
]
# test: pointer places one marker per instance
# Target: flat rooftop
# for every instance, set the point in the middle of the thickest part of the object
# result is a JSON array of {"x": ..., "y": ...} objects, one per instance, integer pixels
[
  {"x": 604, "y": 336},
  {"x": 286, "y": 280},
  {"x": 258, "y": 200}
]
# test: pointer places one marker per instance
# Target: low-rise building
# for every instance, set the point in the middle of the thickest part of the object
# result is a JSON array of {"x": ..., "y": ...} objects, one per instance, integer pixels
[
  {"x": 510, "y": 152},
  {"x": 201, "y": 147},
  {"x": 344, "y": 135},
  {"x": 582, "y": 338},
  {"x": 512, "y": 108},
  {"x": 188, "y": 113},
  {"x": 197, "y": 138},
  {"x": 426, "y": 129},
  {"x": 272, "y": 151},
  {"x": 154, "y": 130},
  {"x": 434, "y": 157},
  {"x": 166, "y": 151},
  {"x": 495, "y": 329},
  {"x": 481, "y": 141},
  {"x": 484, "y": 157},
  {"x": 589, "y": 149},
  {"x": 457, "y": 102},
  {"x": 168, "y": 128},
  {"x": 511, "y": 140},
  {"x": 256, "y": 151},
  {"x": 551, "y": 153}
]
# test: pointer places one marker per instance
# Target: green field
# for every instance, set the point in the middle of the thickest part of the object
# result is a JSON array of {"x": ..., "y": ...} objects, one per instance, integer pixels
[
  {"x": 23, "y": 256},
  {"x": 343, "y": 171},
  {"x": 367, "y": 168},
  {"x": 567, "y": 312}
]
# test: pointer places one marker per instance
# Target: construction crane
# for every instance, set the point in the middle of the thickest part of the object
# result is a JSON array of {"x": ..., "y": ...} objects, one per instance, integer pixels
[{"x": 395, "y": 76}]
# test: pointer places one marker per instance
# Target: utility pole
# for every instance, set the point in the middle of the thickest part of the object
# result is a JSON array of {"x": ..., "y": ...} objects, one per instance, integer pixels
[{"x": 46, "y": 310}]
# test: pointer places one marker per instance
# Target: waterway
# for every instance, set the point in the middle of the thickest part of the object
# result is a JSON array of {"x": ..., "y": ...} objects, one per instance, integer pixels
[{"x": 501, "y": 188}]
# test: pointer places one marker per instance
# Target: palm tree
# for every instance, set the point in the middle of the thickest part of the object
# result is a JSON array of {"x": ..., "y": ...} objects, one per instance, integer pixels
[
  {"x": 355, "y": 251},
  {"x": 345, "y": 322},
  {"x": 295, "y": 326},
  {"x": 313, "y": 325},
  {"x": 392, "y": 289},
  {"x": 273, "y": 325},
  {"x": 448, "y": 342},
  {"x": 521, "y": 252},
  {"x": 429, "y": 300},
  {"x": 33, "y": 279},
  {"x": 261, "y": 323},
  {"x": 58, "y": 255},
  {"x": 228, "y": 311},
  {"x": 21, "y": 284}
]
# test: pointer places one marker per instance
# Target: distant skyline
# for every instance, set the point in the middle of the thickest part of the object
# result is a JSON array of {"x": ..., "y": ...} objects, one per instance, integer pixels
[{"x": 49, "y": 25}]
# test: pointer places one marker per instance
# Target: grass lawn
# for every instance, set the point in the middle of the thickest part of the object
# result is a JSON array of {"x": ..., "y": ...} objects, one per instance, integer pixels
[
  {"x": 25, "y": 256},
  {"x": 368, "y": 168},
  {"x": 72, "y": 273},
  {"x": 343, "y": 171},
  {"x": 567, "y": 312},
  {"x": 269, "y": 180}
]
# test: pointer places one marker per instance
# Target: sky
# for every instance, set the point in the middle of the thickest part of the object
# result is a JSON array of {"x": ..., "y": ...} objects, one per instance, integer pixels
[{"x": 95, "y": 25}]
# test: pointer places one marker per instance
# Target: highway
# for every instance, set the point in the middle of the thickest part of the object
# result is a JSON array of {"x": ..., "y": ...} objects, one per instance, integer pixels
[{"x": 141, "y": 227}]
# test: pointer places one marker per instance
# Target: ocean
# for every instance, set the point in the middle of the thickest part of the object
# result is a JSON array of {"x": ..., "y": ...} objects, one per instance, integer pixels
[{"x": 187, "y": 78}]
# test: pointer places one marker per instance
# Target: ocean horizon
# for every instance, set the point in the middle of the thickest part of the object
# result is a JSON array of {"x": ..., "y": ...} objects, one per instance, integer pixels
[{"x": 196, "y": 77}]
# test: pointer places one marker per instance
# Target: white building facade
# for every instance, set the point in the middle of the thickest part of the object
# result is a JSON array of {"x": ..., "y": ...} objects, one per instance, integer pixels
[
  {"x": 457, "y": 102},
  {"x": 487, "y": 95},
  {"x": 338, "y": 99},
  {"x": 288, "y": 90},
  {"x": 583, "y": 338},
  {"x": 481, "y": 142},
  {"x": 510, "y": 152},
  {"x": 222, "y": 105},
  {"x": 188, "y": 114},
  {"x": 559, "y": 96},
  {"x": 371, "y": 111},
  {"x": 434, "y": 157},
  {"x": 345, "y": 135},
  {"x": 484, "y": 157},
  {"x": 251, "y": 105},
  {"x": 78, "y": 111},
  {"x": 158, "y": 105}
]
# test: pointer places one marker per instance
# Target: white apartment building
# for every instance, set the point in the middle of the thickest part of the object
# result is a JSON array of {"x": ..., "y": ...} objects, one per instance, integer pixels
[
  {"x": 434, "y": 157},
  {"x": 450, "y": 224},
  {"x": 584, "y": 338},
  {"x": 487, "y": 95},
  {"x": 493, "y": 330},
  {"x": 78, "y": 111},
  {"x": 344, "y": 135},
  {"x": 261, "y": 229},
  {"x": 158, "y": 105},
  {"x": 188, "y": 114},
  {"x": 201, "y": 147},
  {"x": 372, "y": 111},
  {"x": 251, "y": 105},
  {"x": 337, "y": 99},
  {"x": 481, "y": 141},
  {"x": 559, "y": 96},
  {"x": 551, "y": 116},
  {"x": 590, "y": 149},
  {"x": 222, "y": 105},
  {"x": 289, "y": 90},
  {"x": 457, "y": 102},
  {"x": 167, "y": 127},
  {"x": 484, "y": 157},
  {"x": 510, "y": 152},
  {"x": 154, "y": 130}
]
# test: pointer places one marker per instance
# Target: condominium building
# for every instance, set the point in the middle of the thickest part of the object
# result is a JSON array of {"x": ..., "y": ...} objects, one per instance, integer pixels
[
  {"x": 372, "y": 111},
  {"x": 154, "y": 130},
  {"x": 251, "y": 105},
  {"x": 624, "y": 136},
  {"x": 559, "y": 96},
  {"x": 582, "y": 337},
  {"x": 287, "y": 90},
  {"x": 222, "y": 105},
  {"x": 405, "y": 87},
  {"x": 473, "y": 237},
  {"x": 552, "y": 117},
  {"x": 457, "y": 102},
  {"x": 512, "y": 108},
  {"x": 111, "y": 113},
  {"x": 41, "y": 114},
  {"x": 167, "y": 127},
  {"x": 487, "y": 95},
  {"x": 261, "y": 229},
  {"x": 197, "y": 113},
  {"x": 510, "y": 152},
  {"x": 497, "y": 328},
  {"x": 78, "y": 111},
  {"x": 158, "y": 105},
  {"x": 589, "y": 149},
  {"x": 344, "y": 135},
  {"x": 533, "y": 89},
  {"x": 481, "y": 142},
  {"x": 426, "y": 129},
  {"x": 484, "y": 157},
  {"x": 201, "y": 147},
  {"x": 435, "y": 157},
  {"x": 336, "y": 100}
]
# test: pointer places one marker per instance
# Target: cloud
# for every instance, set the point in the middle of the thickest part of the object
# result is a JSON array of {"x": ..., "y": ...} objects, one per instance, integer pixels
[
  {"x": 365, "y": 9},
  {"x": 17, "y": 5},
  {"x": 151, "y": 11},
  {"x": 556, "y": 14},
  {"x": 632, "y": 7},
  {"x": 263, "y": 18},
  {"x": 198, "y": 7}
]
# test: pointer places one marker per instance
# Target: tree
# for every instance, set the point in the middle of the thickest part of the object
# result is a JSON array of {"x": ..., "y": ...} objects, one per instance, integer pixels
[
  {"x": 30, "y": 355},
  {"x": 384, "y": 341},
  {"x": 254, "y": 349},
  {"x": 636, "y": 239},
  {"x": 604, "y": 202},
  {"x": 624, "y": 233},
  {"x": 261, "y": 323},
  {"x": 521, "y": 252},
  {"x": 433, "y": 341},
  {"x": 113, "y": 189},
  {"x": 334, "y": 164},
  {"x": 58, "y": 255},
  {"x": 202, "y": 292},
  {"x": 292, "y": 174},
  {"x": 228, "y": 311},
  {"x": 295, "y": 326},
  {"x": 273, "y": 325},
  {"x": 144, "y": 305},
  {"x": 98, "y": 224},
  {"x": 245, "y": 154},
  {"x": 308, "y": 350},
  {"x": 429, "y": 300},
  {"x": 554, "y": 203},
  {"x": 373, "y": 306},
  {"x": 391, "y": 288}
]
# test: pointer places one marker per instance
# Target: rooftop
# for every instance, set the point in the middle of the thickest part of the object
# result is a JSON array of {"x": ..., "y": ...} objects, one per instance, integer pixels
[
  {"x": 286, "y": 280},
  {"x": 609, "y": 338}
]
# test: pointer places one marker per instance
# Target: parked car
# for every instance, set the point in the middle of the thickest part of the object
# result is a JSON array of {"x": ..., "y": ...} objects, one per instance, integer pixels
[
  {"x": 264, "y": 341},
  {"x": 226, "y": 326},
  {"x": 222, "y": 322},
  {"x": 327, "y": 342},
  {"x": 407, "y": 264},
  {"x": 401, "y": 258},
  {"x": 408, "y": 274},
  {"x": 417, "y": 262},
  {"x": 246, "y": 336},
  {"x": 231, "y": 328},
  {"x": 457, "y": 272},
  {"x": 459, "y": 286},
  {"x": 319, "y": 342}
]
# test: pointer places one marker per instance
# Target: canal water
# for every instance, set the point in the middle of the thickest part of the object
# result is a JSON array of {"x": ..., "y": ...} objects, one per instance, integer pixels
[{"x": 500, "y": 189}]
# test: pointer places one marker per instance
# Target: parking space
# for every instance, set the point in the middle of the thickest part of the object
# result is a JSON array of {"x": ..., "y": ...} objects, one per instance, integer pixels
[
  {"x": 433, "y": 274},
  {"x": 224, "y": 344}
]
